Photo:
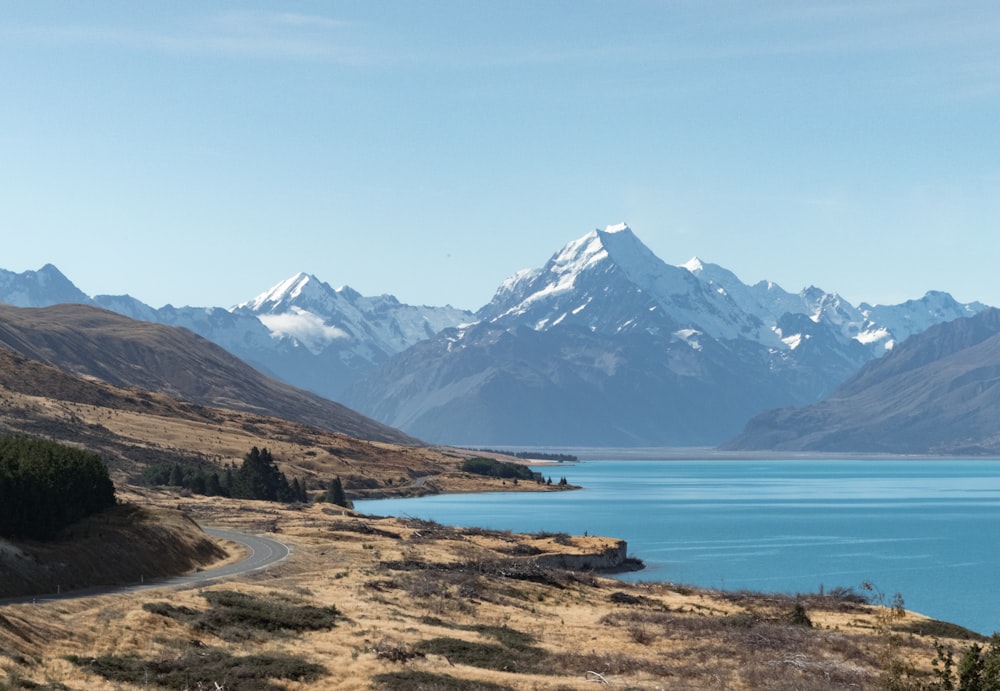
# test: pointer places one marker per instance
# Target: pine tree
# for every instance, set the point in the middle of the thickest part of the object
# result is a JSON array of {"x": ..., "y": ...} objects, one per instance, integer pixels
[
  {"x": 177, "y": 475},
  {"x": 213, "y": 486},
  {"x": 335, "y": 494},
  {"x": 45, "y": 486},
  {"x": 199, "y": 483},
  {"x": 259, "y": 478}
]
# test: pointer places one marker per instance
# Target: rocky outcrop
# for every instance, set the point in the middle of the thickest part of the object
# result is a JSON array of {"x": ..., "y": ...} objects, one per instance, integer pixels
[{"x": 613, "y": 558}]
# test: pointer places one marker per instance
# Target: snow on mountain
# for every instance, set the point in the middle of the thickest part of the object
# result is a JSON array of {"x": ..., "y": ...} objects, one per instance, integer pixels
[
  {"x": 317, "y": 316},
  {"x": 879, "y": 327},
  {"x": 891, "y": 324},
  {"x": 629, "y": 348},
  {"x": 300, "y": 330},
  {"x": 609, "y": 282}
]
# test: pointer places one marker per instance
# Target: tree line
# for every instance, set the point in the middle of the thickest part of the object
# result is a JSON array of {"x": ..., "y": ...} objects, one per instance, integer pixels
[
  {"x": 257, "y": 477},
  {"x": 534, "y": 455},
  {"x": 46, "y": 486}
]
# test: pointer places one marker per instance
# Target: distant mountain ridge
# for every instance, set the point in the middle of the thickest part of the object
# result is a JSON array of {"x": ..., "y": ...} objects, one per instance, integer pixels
[
  {"x": 605, "y": 344},
  {"x": 937, "y": 393}
]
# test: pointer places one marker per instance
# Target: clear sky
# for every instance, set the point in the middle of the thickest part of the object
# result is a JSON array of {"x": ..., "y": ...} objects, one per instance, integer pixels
[{"x": 200, "y": 152}]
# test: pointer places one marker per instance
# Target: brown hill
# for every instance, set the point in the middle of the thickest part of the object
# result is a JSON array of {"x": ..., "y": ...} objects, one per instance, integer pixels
[
  {"x": 132, "y": 429},
  {"x": 121, "y": 545},
  {"x": 93, "y": 342}
]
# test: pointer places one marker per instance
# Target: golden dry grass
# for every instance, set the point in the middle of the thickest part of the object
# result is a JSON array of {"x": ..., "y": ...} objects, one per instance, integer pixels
[
  {"x": 425, "y": 606},
  {"x": 163, "y": 430}
]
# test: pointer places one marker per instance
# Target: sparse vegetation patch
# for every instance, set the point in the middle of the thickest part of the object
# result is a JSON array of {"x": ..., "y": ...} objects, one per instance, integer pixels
[
  {"x": 236, "y": 616},
  {"x": 521, "y": 659},
  {"x": 414, "y": 680},
  {"x": 203, "y": 669}
]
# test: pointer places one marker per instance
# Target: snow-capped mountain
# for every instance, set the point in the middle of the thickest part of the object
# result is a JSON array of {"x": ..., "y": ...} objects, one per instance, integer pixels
[
  {"x": 318, "y": 317},
  {"x": 609, "y": 282},
  {"x": 880, "y": 327},
  {"x": 301, "y": 330},
  {"x": 606, "y": 344}
]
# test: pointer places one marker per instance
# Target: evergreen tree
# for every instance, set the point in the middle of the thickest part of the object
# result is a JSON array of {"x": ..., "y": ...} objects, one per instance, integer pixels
[
  {"x": 177, "y": 476},
  {"x": 335, "y": 494},
  {"x": 228, "y": 481},
  {"x": 45, "y": 486},
  {"x": 259, "y": 478},
  {"x": 213, "y": 486},
  {"x": 199, "y": 483}
]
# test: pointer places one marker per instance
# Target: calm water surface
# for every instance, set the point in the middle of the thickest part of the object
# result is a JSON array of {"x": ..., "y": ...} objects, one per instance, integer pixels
[{"x": 929, "y": 530}]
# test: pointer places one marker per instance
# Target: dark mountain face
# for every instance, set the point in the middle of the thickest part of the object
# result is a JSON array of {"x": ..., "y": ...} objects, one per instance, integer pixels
[
  {"x": 542, "y": 388},
  {"x": 93, "y": 342},
  {"x": 937, "y": 393}
]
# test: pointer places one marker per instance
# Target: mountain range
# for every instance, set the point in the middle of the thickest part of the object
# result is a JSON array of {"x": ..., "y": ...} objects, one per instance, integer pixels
[
  {"x": 605, "y": 344},
  {"x": 301, "y": 331},
  {"x": 937, "y": 394}
]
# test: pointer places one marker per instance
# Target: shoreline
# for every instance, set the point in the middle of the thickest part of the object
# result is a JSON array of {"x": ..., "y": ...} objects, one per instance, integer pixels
[{"x": 709, "y": 453}]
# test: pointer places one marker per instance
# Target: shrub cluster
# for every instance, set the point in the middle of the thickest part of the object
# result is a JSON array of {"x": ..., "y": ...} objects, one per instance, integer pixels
[
  {"x": 45, "y": 486},
  {"x": 535, "y": 455},
  {"x": 491, "y": 467},
  {"x": 236, "y": 616},
  {"x": 201, "y": 669}
]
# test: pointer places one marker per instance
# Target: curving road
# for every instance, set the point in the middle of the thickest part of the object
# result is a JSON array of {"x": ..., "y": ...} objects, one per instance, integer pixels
[{"x": 264, "y": 552}]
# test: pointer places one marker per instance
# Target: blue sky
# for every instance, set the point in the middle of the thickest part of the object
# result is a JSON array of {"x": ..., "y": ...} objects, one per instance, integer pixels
[{"x": 200, "y": 152}]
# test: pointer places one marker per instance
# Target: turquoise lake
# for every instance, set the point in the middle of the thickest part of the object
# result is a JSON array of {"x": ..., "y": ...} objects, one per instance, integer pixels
[{"x": 929, "y": 530}]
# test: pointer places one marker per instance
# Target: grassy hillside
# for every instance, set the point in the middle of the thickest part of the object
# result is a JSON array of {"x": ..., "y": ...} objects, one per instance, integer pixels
[
  {"x": 95, "y": 343},
  {"x": 133, "y": 429},
  {"x": 119, "y": 545}
]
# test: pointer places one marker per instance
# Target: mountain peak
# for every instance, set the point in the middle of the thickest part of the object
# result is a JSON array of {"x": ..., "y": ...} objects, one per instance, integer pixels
[
  {"x": 617, "y": 228},
  {"x": 694, "y": 265},
  {"x": 282, "y": 294},
  {"x": 46, "y": 286}
]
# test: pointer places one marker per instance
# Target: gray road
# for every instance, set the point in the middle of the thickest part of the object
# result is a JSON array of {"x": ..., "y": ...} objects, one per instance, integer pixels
[{"x": 264, "y": 552}]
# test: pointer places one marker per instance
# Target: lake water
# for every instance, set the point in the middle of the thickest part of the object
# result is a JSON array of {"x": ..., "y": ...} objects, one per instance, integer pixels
[{"x": 929, "y": 530}]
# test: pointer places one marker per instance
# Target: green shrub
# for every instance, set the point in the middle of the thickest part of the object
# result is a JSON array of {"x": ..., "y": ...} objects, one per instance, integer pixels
[
  {"x": 413, "y": 680},
  {"x": 491, "y": 467},
  {"x": 198, "y": 669},
  {"x": 523, "y": 659},
  {"x": 235, "y": 616}
]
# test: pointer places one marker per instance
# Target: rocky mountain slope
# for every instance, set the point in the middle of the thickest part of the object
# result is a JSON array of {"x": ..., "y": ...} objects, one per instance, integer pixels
[
  {"x": 608, "y": 345},
  {"x": 936, "y": 393},
  {"x": 96, "y": 343}
]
